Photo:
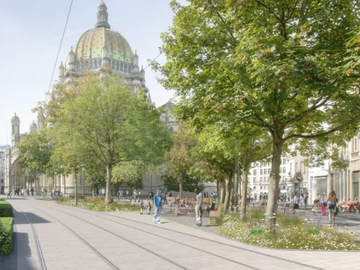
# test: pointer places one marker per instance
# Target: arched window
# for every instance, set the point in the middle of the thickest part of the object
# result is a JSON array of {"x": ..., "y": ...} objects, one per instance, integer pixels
[
  {"x": 121, "y": 67},
  {"x": 95, "y": 64},
  {"x": 100, "y": 63},
  {"x": 117, "y": 66},
  {"x": 113, "y": 65},
  {"x": 125, "y": 68}
]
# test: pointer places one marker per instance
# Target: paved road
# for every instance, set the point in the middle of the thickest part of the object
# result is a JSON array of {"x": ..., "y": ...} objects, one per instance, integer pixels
[{"x": 52, "y": 236}]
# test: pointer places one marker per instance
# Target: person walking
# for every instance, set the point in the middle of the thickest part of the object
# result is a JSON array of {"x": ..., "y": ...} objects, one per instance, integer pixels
[
  {"x": 323, "y": 204},
  {"x": 198, "y": 208},
  {"x": 27, "y": 191},
  {"x": 22, "y": 192},
  {"x": 9, "y": 194},
  {"x": 148, "y": 206},
  {"x": 141, "y": 207},
  {"x": 32, "y": 191},
  {"x": 306, "y": 200},
  {"x": 332, "y": 200},
  {"x": 158, "y": 205},
  {"x": 296, "y": 203}
]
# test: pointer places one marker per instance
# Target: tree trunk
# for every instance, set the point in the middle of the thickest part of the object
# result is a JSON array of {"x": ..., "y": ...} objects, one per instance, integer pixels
[
  {"x": 218, "y": 190},
  {"x": 181, "y": 187},
  {"x": 244, "y": 195},
  {"x": 274, "y": 183},
  {"x": 75, "y": 188},
  {"x": 228, "y": 192},
  {"x": 222, "y": 190},
  {"x": 108, "y": 184}
]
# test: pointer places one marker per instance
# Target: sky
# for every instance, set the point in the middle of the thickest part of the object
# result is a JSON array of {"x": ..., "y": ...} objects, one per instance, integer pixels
[{"x": 30, "y": 35}]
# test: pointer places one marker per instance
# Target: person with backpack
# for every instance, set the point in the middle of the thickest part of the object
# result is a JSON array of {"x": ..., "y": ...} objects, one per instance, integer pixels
[{"x": 331, "y": 201}]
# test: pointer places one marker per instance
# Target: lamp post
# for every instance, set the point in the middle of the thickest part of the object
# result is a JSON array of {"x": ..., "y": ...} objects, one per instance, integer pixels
[{"x": 83, "y": 179}]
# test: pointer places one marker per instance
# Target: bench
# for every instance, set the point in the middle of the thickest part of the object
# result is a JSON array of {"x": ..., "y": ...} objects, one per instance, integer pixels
[{"x": 215, "y": 216}]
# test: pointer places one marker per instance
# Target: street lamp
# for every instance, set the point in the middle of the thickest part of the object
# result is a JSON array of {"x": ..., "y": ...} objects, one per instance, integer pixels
[{"x": 83, "y": 178}]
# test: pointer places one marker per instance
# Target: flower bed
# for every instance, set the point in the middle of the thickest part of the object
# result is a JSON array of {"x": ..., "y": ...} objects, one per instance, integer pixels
[
  {"x": 100, "y": 206},
  {"x": 290, "y": 233}
]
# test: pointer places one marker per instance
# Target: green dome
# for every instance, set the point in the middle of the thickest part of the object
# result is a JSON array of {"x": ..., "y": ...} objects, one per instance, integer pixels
[{"x": 91, "y": 43}]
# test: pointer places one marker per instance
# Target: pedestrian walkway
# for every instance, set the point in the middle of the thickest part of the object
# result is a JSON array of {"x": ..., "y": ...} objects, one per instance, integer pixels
[{"x": 53, "y": 236}]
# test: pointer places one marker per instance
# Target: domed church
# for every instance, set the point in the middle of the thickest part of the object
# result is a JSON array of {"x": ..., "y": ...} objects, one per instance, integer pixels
[{"x": 103, "y": 47}]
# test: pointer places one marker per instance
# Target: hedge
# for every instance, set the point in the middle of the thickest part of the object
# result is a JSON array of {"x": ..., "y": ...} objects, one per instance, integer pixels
[
  {"x": 5, "y": 209},
  {"x": 6, "y": 235}
]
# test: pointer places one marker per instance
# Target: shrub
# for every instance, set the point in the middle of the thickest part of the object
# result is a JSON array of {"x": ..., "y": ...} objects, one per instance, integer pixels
[
  {"x": 6, "y": 235},
  {"x": 5, "y": 209}
]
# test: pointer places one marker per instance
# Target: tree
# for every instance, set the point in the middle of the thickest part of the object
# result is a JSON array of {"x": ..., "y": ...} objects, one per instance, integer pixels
[
  {"x": 278, "y": 65},
  {"x": 218, "y": 146},
  {"x": 180, "y": 163},
  {"x": 107, "y": 122},
  {"x": 35, "y": 154}
]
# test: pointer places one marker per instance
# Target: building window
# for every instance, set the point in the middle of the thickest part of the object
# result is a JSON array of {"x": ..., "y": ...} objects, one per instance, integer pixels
[
  {"x": 355, "y": 144},
  {"x": 269, "y": 171},
  {"x": 125, "y": 68},
  {"x": 284, "y": 169},
  {"x": 95, "y": 64},
  {"x": 121, "y": 67},
  {"x": 261, "y": 179},
  {"x": 117, "y": 66},
  {"x": 113, "y": 65},
  {"x": 254, "y": 172},
  {"x": 261, "y": 172}
]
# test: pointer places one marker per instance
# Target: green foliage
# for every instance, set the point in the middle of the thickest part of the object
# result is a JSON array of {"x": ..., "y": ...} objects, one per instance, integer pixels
[
  {"x": 190, "y": 183},
  {"x": 282, "y": 66},
  {"x": 6, "y": 209},
  {"x": 35, "y": 151},
  {"x": 312, "y": 230},
  {"x": 257, "y": 231},
  {"x": 6, "y": 235},
  {"x": 103, "y": 123},
  {"x": 129, "y": 173}
]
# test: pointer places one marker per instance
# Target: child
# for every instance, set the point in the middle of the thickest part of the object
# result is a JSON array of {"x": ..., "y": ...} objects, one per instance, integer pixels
[
  {"x": 314, "y": 208},
  {"x": 148, "y": 206},
  {"x": 177, "y": 209},
  {"x": 170, "y": 204},
  {"x": 141, "y": 207}
]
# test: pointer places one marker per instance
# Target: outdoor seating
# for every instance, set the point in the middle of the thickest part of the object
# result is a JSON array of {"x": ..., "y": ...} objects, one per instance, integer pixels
[{"x": 215, "y": 216}]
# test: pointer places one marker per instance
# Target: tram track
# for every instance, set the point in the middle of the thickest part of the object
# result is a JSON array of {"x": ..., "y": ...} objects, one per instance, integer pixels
[
  {"x": 90, "y": 212},
  {"x": 156, "y": 235},
  {"x": 41, "y": 259},
  {"x": 97, "y": 252}
]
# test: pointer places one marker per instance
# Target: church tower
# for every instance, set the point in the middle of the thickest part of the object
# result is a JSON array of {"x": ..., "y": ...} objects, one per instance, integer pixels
[
  {"x": 102, "y": 16},
  {"x": 15, "y": 130}
]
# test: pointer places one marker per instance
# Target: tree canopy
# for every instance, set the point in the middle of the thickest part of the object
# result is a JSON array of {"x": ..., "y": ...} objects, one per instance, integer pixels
[{"x": 279, "y": 65}]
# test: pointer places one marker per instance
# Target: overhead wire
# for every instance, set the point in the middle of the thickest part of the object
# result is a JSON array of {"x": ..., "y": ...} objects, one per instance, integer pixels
[{"x": 62, "y": 38}]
